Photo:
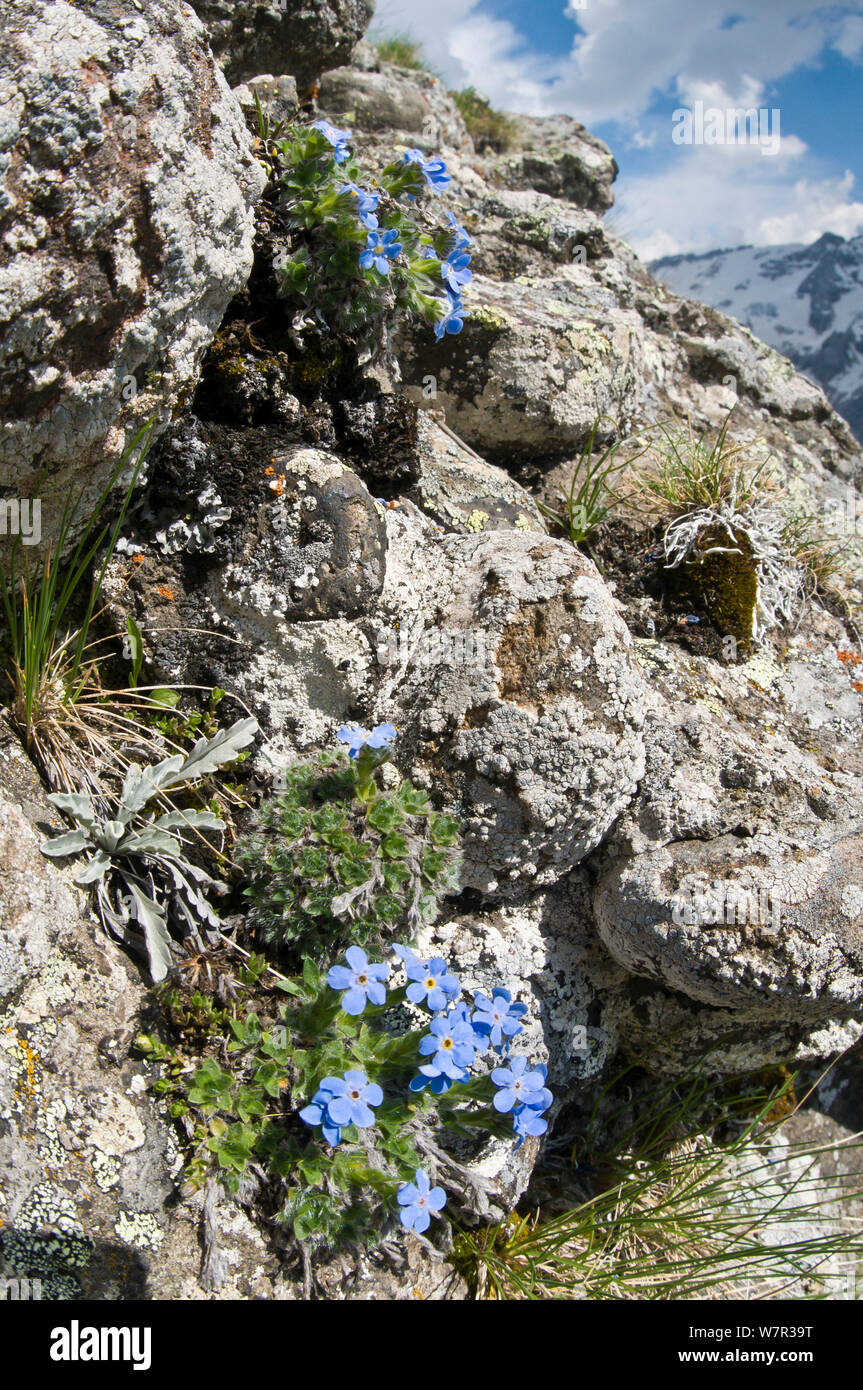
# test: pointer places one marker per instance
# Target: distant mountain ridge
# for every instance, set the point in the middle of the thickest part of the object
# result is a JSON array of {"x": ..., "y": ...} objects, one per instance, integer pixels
[{"x": 805, "y": 301}]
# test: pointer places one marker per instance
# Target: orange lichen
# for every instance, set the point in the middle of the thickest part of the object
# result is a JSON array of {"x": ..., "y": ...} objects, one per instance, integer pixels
[{"x": 165, "y": 592}]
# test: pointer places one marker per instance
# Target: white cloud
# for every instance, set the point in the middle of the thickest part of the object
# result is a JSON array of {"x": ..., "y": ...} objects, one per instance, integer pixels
[
  {"x": 628, "y": 51},
  {"x": 632, "y": 57},
  {"x": 849, "y": 40},
  {"x": 702, "y": 202}
]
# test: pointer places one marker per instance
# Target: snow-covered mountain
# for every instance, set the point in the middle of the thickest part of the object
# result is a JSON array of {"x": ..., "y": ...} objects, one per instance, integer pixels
[{"x": 806, "y": 301}]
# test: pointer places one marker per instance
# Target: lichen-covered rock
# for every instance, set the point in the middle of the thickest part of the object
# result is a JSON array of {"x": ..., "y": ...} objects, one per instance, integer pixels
[
  {"x": 527, "y": 719},
  {"x": 765, "y": 923},
  {"x": 299, "y": 37},
  {"x": 534, "y": 366},
  {"x": 126, "y": 190},
  {"x": 556, "y": 155},
  {"x": 522, "y": 232},
  {"x": 668, "y": 1034},
  {"x": 248, "y": 569},
  {"x": 734, "y": 876},
  {"x": 464, "y": 493},
  {"x": 404, "y": 106}
]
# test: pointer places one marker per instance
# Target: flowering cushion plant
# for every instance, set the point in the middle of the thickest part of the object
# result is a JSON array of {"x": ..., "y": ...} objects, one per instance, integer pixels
[
  {"x": 362, "y": 250},
  {"x": 316, "y": 1082}
]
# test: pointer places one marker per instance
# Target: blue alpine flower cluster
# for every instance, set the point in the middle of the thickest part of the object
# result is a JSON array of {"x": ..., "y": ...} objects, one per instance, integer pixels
[
  {"x": 455, "y": 275},
  {"x": 383, "y": 247},
  {"x": 434, "y": 171},
  {"x": 337, "y": 138},
  {"x": 457, "y": 1034},
  {"x": 523, "y": 1094}
]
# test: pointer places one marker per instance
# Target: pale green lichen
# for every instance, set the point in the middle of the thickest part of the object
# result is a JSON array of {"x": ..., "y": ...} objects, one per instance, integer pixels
[
  {"x": 106, "y": 1170},
  {"x": 488, "y": 319},
  {"x": 140, "y": 1228},
  {"x": 477, "y": 519}
]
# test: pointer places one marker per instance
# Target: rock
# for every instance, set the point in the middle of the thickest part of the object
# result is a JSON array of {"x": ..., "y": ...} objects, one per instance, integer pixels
[
  {"x": 525, "y": 715},
  {"x": 248, "y": 569},
  {"x": 766, "y": 923},
  {"x": 125, "y": 228},
  {"x": 530, "y": 371},
  {"x": 412, "y": 108},
  {"x": 734, "y": 876},
  {"x": 300, "y": 37},
  {"x": 464, "y": 493},
  {"x": 305, "y": 540},
  {"x": 668, "y": 1034},
  {"x": 526, "y": 233},
  {"x": 556, "y": 155}
]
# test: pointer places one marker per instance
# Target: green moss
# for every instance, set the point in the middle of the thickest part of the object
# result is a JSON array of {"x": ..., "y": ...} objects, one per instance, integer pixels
[{"x": 723, "y": 585}]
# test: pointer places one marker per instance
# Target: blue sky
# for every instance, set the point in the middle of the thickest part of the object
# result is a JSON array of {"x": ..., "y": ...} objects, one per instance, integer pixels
[{"x": 624, "y": 66}]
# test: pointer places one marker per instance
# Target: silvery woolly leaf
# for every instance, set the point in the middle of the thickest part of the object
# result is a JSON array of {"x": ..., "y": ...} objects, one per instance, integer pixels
[
  {"x": 151, "y": 918},
  {"x": 209, "y": 754},
  {"x": 109, "y": 833},
  {"x": 188, "y": 896},
  {"x": 71, "y": 843},
  {"x": 198, "y": 820},
  {"x": 76, "y": 805},
  {"x": 94, "y": 869},
  {"x": 142, "y": 783},
  {"x": 150, "y": 841}
]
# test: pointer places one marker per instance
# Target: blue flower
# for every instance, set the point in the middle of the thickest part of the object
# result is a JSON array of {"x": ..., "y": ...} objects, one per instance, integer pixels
[
  {"x": 463, "y": 238},
  {"x": 341, "y": 1101},
  {"x": 357, "y": 739},
  {"x": 451, "y": 1044},
  {"x": 406, "y": 953},
  {"x": 463, "y": 1013},
  {"x": 438, "y": 1081},
  {"x": 337, "y": 138},
  {"x": 527, "y": 1122},
  {"x": 419, "y": 1202},
  {"x": 498, "y": 1016},
  {"x": 431, "y": 985},
  {"x": 453, "y": 319},
  {"x": 381, "y": 248},
  {"x": 518, "y": 1086},
  {"x": 367, "y": 203},
  {"x": 454, "y": 270},
  {"x": 361, "y": 981},
  {"x": 433, "y": 170}
]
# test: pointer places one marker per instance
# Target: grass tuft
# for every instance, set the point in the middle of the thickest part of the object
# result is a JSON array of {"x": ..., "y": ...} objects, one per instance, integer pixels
[
  {"x": 402, "y": 51},
  {"x": 679, "y": 1210},
  {"x": 488, "y": 128},
  {"x": 590, "y": 496},
  {"x": 69, "y": 723},
  {"x": 687, "y": 474}
]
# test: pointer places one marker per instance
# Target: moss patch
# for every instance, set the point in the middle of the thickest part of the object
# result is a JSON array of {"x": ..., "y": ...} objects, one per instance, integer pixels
[{"x": 722, "y": 584}]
